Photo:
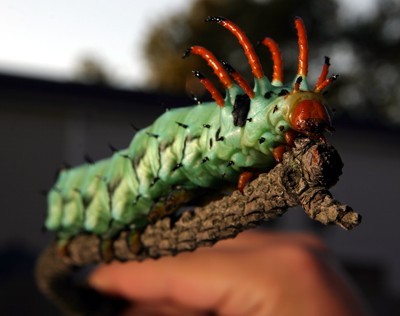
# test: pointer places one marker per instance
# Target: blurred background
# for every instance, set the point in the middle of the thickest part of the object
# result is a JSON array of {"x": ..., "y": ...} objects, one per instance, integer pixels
[{"x": 75, "y": 75}]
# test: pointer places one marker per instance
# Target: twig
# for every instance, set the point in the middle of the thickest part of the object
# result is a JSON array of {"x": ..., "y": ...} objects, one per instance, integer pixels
[{"x": 303, "y": 178}]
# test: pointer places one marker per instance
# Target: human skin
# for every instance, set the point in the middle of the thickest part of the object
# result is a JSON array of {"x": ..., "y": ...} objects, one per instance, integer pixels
[{"x": 254, "y": 274}]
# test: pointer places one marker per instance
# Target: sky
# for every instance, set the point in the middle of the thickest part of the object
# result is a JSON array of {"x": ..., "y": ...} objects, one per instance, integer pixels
[{"x": 47, "y": 38}]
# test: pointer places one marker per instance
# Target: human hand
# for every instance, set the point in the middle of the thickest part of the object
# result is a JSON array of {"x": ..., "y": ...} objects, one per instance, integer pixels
[{"x": 253, "y": 274}]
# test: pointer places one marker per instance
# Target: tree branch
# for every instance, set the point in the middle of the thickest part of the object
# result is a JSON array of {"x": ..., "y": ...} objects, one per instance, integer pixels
[{"x": 303, "y": 178}]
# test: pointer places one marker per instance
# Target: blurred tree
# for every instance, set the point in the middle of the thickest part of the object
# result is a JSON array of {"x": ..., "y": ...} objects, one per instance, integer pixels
[
  {"x": 365, "y": 52},
  {"x": 90, "y": 70},
  {"x": 169, "y": 39}
]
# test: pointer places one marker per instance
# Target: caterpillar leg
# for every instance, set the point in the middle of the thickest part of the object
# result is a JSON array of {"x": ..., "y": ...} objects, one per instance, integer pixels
[
  {"x": 278, "y": 151},
  {"x": 62, "y": 247},
  {"x": 244, "y": 178},
  {"x": 106, "y": 246},
  {"x": 134, "y": 242},
  {"x": 290, "y": 136},
  {"x": 171, "y": 203},
  {"x": 106, "y": 249}
]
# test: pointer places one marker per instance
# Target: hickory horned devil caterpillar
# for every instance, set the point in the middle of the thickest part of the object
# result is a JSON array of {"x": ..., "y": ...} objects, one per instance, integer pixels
[{"x": 189, "y": 149}]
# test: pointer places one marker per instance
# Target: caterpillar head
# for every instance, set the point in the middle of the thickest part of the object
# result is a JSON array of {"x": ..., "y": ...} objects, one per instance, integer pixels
[
  {"x": 308, "y": 113},
  {"x": 305, "y": 111}
]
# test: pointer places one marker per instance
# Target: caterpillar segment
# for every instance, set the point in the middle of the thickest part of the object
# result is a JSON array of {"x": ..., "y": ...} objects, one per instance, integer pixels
[{"x": 191, "y": 149}]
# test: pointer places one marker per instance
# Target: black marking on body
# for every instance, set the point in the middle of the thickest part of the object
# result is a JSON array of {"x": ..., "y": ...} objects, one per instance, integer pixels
[
  {"x": 261, "y": 140},
  {"x": 177, "y": 166},
  {"x": 219, "y": 138},
  {"x": 275, "y": 108},
  {"x": 182, "y": 125},
  {"x": 152, "y": 135},
  {"x": 206, "y": 125},
  {"x": 205, "y": 159},
  {"x": 230, "y": 163},
  {"x": 283, "y": 92},
  {"x": 136, "y": 199},
  {"x": 250, "y": 120},
  {"x": 281, "y": 128},
  {"x": 154, "y": 181},
  {"x": 211, "y": 143},
  {"x": 241, "y": 108},
  {"x": 268, "y": 94}
]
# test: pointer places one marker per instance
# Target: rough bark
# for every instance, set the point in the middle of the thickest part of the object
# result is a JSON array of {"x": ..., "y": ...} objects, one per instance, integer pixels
[{"x": 303, "y": 178}]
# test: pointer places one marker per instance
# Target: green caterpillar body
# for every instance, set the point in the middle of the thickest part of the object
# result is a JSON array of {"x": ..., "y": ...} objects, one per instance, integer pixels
[{"x": 201, "y": 146}]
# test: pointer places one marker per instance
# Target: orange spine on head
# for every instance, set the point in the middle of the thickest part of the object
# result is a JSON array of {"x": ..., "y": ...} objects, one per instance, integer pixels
[
  {"x": 321, "y": 86},
  {"x": 324, "y": 72},
  {"x": 238, "y": 78},
  {"x": 243, "y": 41},
  {"x": 276, "y": 58},
  {"x": 210, "y": 88},
  {"x": 303, "y": 47},
  {"x": 213, "y": 62}
]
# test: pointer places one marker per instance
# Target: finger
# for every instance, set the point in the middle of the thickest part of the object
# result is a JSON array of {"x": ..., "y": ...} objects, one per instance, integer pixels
[
  {"x": 199, "y": 280},
  {"x": 208, "y": 278},
  {"x": 186, "y": 279}
]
